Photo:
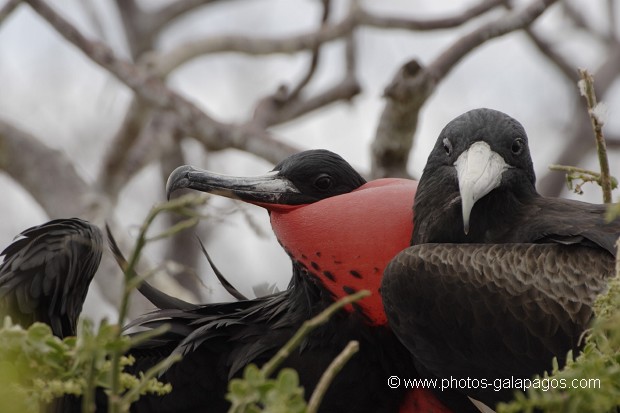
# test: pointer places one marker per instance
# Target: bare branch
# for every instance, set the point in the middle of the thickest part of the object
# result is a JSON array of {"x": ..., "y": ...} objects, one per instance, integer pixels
[
  {"x": 274, "y": 110},
  {"x": 386, "y": 22},
  {"x": 194, "y": 122},
  {"x": 282, "y": 106},
  {"x": 24, "y": 157},
  {"x": 612, "y": 8},
  {"x": 167, "y": 62},
  {"x": 565, "y": 67},
  {"x": 560, "y": 62},
  {"x": 412, "y": 85},
  {"x": 175, "y": 9},
  {"x": 8, "y": 8},
  {"x": 315, "y": 57},
  {"x": 139, "y": 38},
  {"x": 111, "y": 177},
  {"x": 515, "y": 20},
  {"x": 578, "y": 18}
]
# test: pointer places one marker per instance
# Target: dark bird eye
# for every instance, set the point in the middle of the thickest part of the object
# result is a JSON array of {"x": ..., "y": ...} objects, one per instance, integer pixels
[
  {"x": 447, "y": 146},
  {"x": 517, "y": 146},
  {"x": 323, "y": 182}
]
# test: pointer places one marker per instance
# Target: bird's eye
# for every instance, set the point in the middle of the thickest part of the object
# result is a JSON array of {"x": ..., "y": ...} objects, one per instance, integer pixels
[
  {"x": 517, "y": 146},
  {"x": 323, "y": 182},
  {"x": 447, "y": 146}
]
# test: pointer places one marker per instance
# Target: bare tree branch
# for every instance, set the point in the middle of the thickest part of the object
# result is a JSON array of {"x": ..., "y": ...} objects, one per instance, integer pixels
[
  {"x": 111, "y": 177},
  {"x": 412, "y": 85},
  {"x": 273, "y": 111},
  {"x": 47, "y": 174},
  {"x": 565, "y": 67},
  {"x": 512, "y": 21},
  {"x": 283, "y": 106},
  {"x": 8, "y": 8},
  {"x": 167, "y": 14},
  {"x": 397, "y": 124},
  {"x": 612, "y": 8},
  {"x": 135, "y": 25},
  {"x": 385, "y": 22},
  {"x": 314, "y": 62},
  {"x": 167, "y": 62},
  {"x": 194, "y": 122}
]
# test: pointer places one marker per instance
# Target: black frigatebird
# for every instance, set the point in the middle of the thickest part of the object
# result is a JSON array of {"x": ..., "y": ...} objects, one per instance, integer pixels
[
  {"x": 499, "y": 279},
  {"x": 46, "y": 273},
  {"x": 340, "y": 233}
]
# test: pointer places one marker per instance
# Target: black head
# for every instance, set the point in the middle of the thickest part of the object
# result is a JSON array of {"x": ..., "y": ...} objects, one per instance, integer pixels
[
  {"x": 504, "y": 135},
  {"x": 319, "y": 174},
  {"x": 477, "y": 155},
  {"x": 302, "y": 178}
]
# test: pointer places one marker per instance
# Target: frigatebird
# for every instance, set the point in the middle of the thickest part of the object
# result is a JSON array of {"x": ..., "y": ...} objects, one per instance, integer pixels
[
  {"x": 340, "y": 232},
  {"x": 46, "y": 273},
  {"x": 499, "y": 279}
]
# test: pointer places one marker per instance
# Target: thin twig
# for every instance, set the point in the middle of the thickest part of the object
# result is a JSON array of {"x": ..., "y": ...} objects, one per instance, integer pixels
[
  {"x": 585, "y": 175},
  {"x": 314, "y": 62},
  {"x": 270, "y": 367},
  {"x": 586, "y": 87},
  {"x": 596, "y": 176},
  {"x": 115, "y": 399},
  {"x": 328, "y": 376},
  {"x": 111, "y": 176}
]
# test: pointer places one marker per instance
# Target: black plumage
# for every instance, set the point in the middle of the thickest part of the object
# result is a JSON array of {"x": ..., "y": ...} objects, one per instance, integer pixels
[
  {"x": 46, "y": 273},
  {"x": 506, "y": 278},
  {"x": 218, "y": 340}
]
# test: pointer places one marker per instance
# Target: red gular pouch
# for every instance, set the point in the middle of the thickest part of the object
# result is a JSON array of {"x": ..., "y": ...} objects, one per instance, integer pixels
[{"x": 346, "y": 241}]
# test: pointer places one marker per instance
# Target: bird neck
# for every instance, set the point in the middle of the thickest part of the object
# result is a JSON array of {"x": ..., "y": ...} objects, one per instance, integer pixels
[
  {"x": 344, "y": 243},
  {"x": 491, "y": 217}
]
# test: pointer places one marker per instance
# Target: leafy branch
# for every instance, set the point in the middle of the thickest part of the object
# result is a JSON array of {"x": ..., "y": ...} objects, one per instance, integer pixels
[
  {"x": 582, "y": 176},
  {"x": 36, "y": 367},
  {"x": 183, "y": 206}
]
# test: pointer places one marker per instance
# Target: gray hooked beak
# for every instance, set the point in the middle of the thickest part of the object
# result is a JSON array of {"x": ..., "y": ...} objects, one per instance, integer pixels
[
  {"x": 479, "y": 170},
  {"x": 270, "y": 188}
]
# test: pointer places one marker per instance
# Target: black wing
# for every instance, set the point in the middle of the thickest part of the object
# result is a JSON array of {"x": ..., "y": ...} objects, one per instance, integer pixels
[
  {"x": 46, "y": 273},
  {"x": 564, "y": 221},
  {"x": 493, "y": 311}
]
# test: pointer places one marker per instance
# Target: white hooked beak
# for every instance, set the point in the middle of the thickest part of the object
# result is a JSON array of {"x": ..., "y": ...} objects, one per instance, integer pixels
[{"x": 479, "y": 170}]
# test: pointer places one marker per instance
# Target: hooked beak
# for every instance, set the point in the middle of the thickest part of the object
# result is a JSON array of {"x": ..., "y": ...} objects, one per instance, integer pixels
[
  {"x": 265, "y": 190},
  {"x": 479, "y": 170}
]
